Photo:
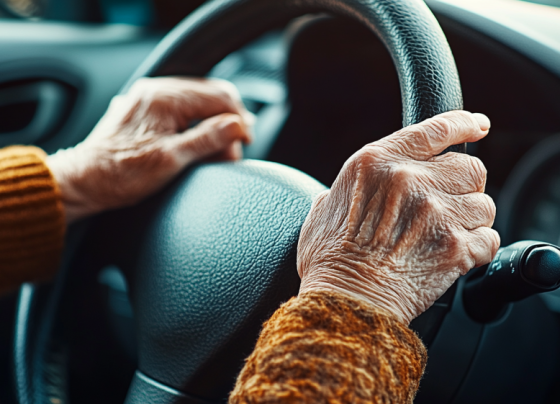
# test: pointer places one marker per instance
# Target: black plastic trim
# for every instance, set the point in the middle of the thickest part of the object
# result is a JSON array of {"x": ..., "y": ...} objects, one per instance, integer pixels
[{"x": 144, "y": 389}]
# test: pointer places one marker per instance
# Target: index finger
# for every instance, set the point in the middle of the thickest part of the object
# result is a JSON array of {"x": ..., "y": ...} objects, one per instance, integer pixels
[
  {"x": 432, "y": 136},
  {"x": 216, "y": 96},
  {"x": 191, "y": 98}
]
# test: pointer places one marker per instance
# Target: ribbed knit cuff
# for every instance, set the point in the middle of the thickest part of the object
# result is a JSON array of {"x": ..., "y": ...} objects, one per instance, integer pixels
[
  {"x": 326, "y": 347},
  {"x": 31, "y": 218}
]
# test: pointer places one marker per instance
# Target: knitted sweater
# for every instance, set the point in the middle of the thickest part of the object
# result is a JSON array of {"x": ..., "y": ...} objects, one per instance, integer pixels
[
  {"x": 31, "y": 218},
  {"x": 321, "y": 347},
  {"x": 325, "y": 347}
]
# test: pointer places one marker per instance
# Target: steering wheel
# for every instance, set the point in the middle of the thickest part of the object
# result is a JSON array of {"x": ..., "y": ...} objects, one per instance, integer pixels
[{"x": 210, "y": 258}]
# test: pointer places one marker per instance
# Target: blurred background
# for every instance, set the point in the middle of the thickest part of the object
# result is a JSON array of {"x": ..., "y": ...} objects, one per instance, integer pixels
[{"x": 160, "y": 13}]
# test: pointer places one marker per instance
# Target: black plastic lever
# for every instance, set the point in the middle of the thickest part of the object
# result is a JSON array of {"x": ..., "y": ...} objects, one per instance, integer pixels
[{"x": 518, "y": 271}]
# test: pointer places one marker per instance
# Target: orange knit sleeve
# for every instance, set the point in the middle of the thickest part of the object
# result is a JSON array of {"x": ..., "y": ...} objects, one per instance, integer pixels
[
  {"x": 324, "y": 347},
  {"x": 31, "y": 217}
]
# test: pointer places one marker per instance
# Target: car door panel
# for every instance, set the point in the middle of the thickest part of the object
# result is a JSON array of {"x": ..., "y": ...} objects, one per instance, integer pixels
[{"x": 87, "y": 64}]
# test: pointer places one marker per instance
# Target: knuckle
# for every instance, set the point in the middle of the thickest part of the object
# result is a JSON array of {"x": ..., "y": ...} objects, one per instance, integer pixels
[
  {"x": 202, "y": 144},
  {"x": 427, "y": 135},
  {"x": 466, "y": 263},
  {"x": 117, "y": 100},
  {"x": 223, "y": 94},
  {"x": 456, "y": 243},
  {"x": 427, "y": 208},
  {"x": 441, "y": 126},
  {"x": 363, "y": 157},
  {"x": 377, "y": 151},
  {"x": 159, "y": 105},
  {"x": 488, "y": 206},
  {"x": 141, "y": 84},
  {"x": 220, "y": 82},
  {"x": 465, "y": 259},
  {"x": 226, "y": 88},
  {"x": 408, "y": 142},
  {"x": 437, "y": 129},
  {"x": 225, "y": 99},
  {"x": 496, "y": 241},
  {"x": 420, "y": 132},
  {"x": 319, "y": 200},
  {"x": 469, "y": 169},
  {"x": 477, "y": 169},
  {"x": 451, "y": 161},
  {"x": 485, "y": 246},
  {"x": 404, "y": 176}
]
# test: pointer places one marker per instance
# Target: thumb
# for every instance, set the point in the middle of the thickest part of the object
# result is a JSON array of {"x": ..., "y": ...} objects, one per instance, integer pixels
[{"x": 210, "y": 137}]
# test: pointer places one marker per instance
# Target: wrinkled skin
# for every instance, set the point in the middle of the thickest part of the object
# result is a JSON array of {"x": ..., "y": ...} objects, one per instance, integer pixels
[
  {"x": 144, "y": 140},
  {"x": 401, "y": 223}
]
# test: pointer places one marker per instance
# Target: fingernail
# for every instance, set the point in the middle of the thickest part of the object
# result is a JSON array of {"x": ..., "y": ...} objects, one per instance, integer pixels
[{"x": 483, "y": 121}]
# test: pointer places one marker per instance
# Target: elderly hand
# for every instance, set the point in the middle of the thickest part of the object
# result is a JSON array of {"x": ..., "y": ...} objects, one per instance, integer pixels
[
  {"x": 402, "y": 223},
  {"x": 144, "y": 140}
]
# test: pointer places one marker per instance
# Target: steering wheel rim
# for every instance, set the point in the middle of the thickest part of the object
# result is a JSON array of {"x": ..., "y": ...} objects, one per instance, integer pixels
[
  {"x": 429, "y": 86},
  {"x": 427, "y": 73}
]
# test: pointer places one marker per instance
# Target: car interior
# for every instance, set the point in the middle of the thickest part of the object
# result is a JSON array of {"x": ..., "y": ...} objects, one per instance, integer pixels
[{"x": 322, "y": 85}]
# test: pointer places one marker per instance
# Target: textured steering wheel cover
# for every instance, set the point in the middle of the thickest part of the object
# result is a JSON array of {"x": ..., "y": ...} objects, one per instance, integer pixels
[
  {"x": 216, "y": 260},
  {"x": 427, "y": 72}
]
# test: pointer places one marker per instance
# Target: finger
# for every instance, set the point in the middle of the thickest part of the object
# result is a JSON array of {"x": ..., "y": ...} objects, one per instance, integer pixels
[
  {"x": 432, "y": 136},
  {"x": 232, "y": 153},
  {"x": 248, "y": 117},
  {"x": 472, "y": 210},
  {"x": 482, "y": 244},
  {"x": 217, "y": 96},
  {"x": 457, "y": 173},
  {"x": 212, "y": 136},
  {"x": 190, "y": 98}
]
